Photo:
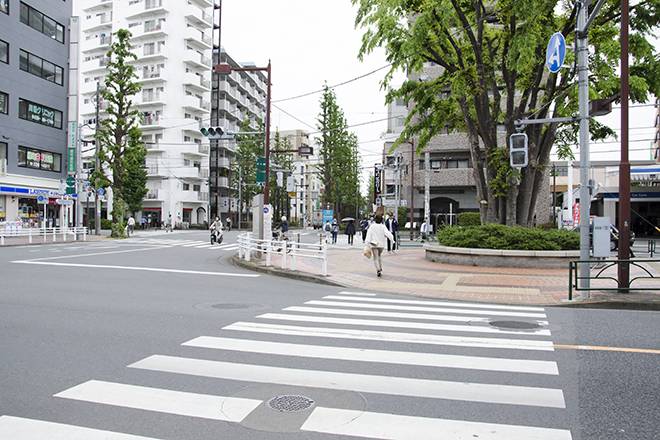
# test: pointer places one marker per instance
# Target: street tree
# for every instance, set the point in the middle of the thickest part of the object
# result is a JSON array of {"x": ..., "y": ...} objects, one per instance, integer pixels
[
  {"x": 279, "y": 197},
  {"x": 135, "y": 182},
  {"x": 250, "y": 148},
  {"x": 491, "y": 62},
  {"x": 118, "y": 135},
  {"x": 339, "y": 160}
]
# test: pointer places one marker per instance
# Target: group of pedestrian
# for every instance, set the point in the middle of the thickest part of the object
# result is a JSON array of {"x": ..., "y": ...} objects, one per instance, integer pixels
[{"x": 376, "y": 235}]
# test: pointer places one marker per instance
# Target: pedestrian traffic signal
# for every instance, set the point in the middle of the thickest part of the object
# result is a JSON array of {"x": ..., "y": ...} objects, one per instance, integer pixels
[
  {"x": 518, "y": 151},
  {"x": 280, "y": 178},
  {"x": 216, "y": 133}
]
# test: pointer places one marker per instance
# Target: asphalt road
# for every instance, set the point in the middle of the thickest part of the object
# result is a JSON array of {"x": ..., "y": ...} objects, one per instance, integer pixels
[{"x": 161, "y": 337}]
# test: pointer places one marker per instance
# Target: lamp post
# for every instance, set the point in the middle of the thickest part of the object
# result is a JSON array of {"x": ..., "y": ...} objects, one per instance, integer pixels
[{"x": 226, "y": 69}]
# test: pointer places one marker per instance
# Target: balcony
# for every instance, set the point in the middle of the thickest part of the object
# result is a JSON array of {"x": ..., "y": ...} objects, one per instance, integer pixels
[
  {"x": 150, "y": 29},
  {"x": 149, "y": 98},
  {"x": 197, "y": 17},
  {"x": 196, "y": 82},
  {"x": 196, "y": 60},
  {"x": 190, "y": 172},
  {"x": 194, "y": 103},
  {"x": 221, "y": 162},
  {"x": 152, "y": 170},
  {"x": 203, "y": 196},
  {"x": 154, "y": 147},
  {"x": 94, "y": 65},
  {"x": 145, "y": 8},
  {"x": 93, "y": 5},
  {"x": 150, "y": 52},
  {"x": 194, "y": 149},
  {"x": 98, "y": 22},
  {"x": 153, "y": 76},
  {"x": 100, "y": 44},
  {"x": 220, "y": 182},
  {"x": 203, "y": 3},
  {"x": 198, "y": 38},
  {"x": 150, "y": 121},
  {"x": 153, "y": 194}
]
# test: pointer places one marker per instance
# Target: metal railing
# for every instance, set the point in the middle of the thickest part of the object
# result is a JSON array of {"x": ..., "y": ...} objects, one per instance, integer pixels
[
  {"x": 603, "y": 279},
  {"x": 46, "y": 233},
  {"x": 247, "y": 245}
]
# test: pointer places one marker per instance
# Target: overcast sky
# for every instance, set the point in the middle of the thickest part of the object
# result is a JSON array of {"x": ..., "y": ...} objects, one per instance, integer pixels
[{"x": 310, "y": 42}]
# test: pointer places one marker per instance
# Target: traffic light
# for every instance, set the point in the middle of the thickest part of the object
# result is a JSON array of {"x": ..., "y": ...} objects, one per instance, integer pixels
[
  {"x": 518, "y": 143},
  {"x": 280, "y": 178},
  {"x": 216, "y": 133},
  {"x": 290, "y": 184}
]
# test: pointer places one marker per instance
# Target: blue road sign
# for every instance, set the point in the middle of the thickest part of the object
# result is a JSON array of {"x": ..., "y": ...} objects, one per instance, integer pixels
[
  {"x": 556, "y": 52},
  {"x": 101, "y": 191}
]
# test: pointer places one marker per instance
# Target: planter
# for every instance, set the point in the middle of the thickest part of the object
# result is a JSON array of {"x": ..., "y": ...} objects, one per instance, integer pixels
[{"x": 499, "y": 257}]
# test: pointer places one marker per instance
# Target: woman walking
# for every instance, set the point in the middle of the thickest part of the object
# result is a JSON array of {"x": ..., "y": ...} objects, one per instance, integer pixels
[
  {"x": 350, "y": 231},
  {"x": 376, "y": 237}
]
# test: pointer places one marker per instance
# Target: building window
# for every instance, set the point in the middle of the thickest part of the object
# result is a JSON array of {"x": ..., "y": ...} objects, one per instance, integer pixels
[
  {"x": 436, "y": 164},
  {"x": 4, "y": 104},
  {"x": 40, "y": 67},
  {"x": 186, "y": 187},
  {"x": 457, "y": 163},
  {"x": 4, "y": 6},
  {"x": 39, "y": 159},
  {"x": 4, "y": 51},
  {"x": 41, "y": 23},
  {"x": 40, "y": 114},
  {"x": 197, "y": 188}
]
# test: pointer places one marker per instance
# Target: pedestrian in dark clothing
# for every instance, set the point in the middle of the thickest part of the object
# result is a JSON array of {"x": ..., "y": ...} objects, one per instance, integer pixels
[
  {"x": 391, "y": 225},
  {"x": 350, "y": 231},
  {"x": 364, "y": 225}
]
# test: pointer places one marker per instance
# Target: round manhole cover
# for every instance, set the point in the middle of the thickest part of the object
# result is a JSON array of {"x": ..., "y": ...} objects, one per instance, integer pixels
[
  {"x": 290, "y": 403},
  {"x": 519, "y": 325},
  {"x": 232, "y": 306}
]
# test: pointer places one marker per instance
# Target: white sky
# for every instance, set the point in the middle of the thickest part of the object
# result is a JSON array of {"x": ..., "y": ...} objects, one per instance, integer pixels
[{"x": 313, "y": 41}]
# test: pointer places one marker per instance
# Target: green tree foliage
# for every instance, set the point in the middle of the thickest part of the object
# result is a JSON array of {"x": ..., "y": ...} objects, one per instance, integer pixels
[
  {"x": 339, "y": 158},
  {"x": 491, "y": 58},
  {"x": 119, "y": 137},
  {"x": 279, "y": 197},
  {"x": 250, "y": 148},
  {"x": 135, "y": 183}
]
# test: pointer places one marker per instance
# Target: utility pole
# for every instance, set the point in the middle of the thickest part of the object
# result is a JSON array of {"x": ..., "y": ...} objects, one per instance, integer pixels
[
  {"x": 97, "y": 167},
  {"x": 624, "y": 167}
]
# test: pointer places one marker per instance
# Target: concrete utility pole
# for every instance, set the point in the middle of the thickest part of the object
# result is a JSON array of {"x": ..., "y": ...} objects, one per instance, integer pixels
[
  {"x": 624, "y": 167},
  {"x": 97, "y": 165},
  {"x": 427, "y": 189}
]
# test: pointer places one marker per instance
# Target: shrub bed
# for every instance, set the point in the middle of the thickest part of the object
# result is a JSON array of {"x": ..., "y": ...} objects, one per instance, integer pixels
[{"x": 492, "y": 236}]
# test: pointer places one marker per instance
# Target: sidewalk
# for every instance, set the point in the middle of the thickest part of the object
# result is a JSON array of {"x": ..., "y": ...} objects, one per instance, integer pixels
[{"x": 407, "y": 272}]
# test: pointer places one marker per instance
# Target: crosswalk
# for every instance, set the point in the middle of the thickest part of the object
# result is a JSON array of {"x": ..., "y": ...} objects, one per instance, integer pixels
[
  {"x": 441, "y": 358},
  {"x": 197, "y": 244}
]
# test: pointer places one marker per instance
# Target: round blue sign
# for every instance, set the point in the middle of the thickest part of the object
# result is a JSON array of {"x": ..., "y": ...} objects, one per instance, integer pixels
[
  {"x": 266, "y": 210},
  {"x": 556, "y": 52},
  {"x": 101, "y": 191}
]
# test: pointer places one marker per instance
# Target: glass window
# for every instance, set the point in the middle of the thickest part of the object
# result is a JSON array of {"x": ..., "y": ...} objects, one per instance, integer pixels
[
  {"x": 38, "y": 159},
  {"x": 59, "y": 75},
  {"x": 4, "y": 6},
  {"x": 4, "y": 51},
  {"x": 23, "y": 60},
  {"x": 41, "y": 22},
  {"x": 48, "y": 72},
  {"x": 457, "y": 164},
  {"x": 40, "y": 114},
  {"x": 37, "y": 66},
  {"x": 3, "y": 150},
  {"x": 4, "y": 104},
  {"x": 436, "y": 164},
  {"x": 186, "y": 187},
  {"x": 50, "y": 27},
  {"x": 36, "y": 20},
  {"x": 34, "y": 65},
  {"x": 25, "y": 9}
]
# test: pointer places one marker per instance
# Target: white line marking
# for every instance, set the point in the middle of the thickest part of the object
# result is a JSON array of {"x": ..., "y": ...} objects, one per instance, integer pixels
[
  {"x": 148, "y": 269},
  {"x": 382, "y": 356},
  {"x": 16, "y": 428},
  {"x": 424, "y": 309},
  {"x": 393, "y": 314},
  {"x": 397, "y": 427},
  {"x": 399, "y": 324},
  {"x": 91, "y": 255},
  {"x": 398, "y": 386},
  {"x": 357, "y": 293},
  {"x": 441, "y": 303},
  {"x": 228, "y": 409}
]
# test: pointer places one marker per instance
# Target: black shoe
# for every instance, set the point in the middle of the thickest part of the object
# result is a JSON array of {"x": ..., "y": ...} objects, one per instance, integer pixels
[{"x": 378, "y": 272}]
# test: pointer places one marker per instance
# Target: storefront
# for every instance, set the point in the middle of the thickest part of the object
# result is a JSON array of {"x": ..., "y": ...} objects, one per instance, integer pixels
[{"x": 22, "y": 204}]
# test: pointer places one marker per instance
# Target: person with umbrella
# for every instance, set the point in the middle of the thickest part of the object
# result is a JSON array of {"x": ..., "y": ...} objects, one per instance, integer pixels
[{"x": 350, "y": 230}]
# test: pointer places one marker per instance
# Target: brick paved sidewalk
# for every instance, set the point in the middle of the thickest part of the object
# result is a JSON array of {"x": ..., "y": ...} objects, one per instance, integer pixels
[{"x": 407, "y": 272}]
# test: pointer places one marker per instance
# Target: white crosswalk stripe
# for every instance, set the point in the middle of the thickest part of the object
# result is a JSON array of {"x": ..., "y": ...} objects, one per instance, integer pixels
[
  {"x": 198, "y": 244},
  {"x": 345, "y": 342}
]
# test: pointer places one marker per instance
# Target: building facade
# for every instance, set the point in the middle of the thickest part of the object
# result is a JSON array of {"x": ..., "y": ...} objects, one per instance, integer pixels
[{"x": 34, "y": 57}]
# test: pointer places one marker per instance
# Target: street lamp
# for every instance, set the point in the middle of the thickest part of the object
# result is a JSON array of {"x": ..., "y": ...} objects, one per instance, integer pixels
[{"x": 226, "y": 69}]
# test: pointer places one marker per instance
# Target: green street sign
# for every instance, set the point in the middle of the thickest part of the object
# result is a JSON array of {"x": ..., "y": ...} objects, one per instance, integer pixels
[
  {"x": 70, "y": 190},
  {"x": 261, "y": 177},
  {"x": 261, "y": 164},
  {"x": 71, "y": 160},
  {"x": 70, "y": 181}
]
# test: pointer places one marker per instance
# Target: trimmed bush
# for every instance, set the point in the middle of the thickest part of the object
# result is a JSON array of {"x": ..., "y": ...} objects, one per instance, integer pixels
[
  {"x": 492, "y": 236},
  {"x": 469, "y": 219}
]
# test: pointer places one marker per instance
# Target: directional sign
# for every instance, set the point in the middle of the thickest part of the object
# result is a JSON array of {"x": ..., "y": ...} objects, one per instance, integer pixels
[
  {"x": 261, "y": 164},
  {"x": 101, "y": 191},
  {"x": 42, "y": 199},
  {"x": 64, "y": 202},
  {"x": 556, "y": 52},
  {"x": 70, "y": 181}
]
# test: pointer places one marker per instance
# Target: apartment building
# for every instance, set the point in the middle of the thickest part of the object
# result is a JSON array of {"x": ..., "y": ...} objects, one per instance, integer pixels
[
  {"x": 34, "y": 54},
  {"x": 173, "y": 41}
]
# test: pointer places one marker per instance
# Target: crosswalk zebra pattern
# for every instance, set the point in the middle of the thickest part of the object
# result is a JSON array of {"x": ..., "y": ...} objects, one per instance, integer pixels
[
  {"x": 198, "y": 244},
  {"x": 419, "y": 351}
]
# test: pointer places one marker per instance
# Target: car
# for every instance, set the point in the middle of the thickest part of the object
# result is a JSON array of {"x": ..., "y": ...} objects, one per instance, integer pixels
[{"x": 614, "y": 236}]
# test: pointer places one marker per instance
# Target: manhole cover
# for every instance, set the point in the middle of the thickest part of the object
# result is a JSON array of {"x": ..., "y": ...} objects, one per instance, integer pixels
[
  {"x": 232, "y": 306},
  {"x": 290, "y": 403},
  {"x": 521, "y": 325}
]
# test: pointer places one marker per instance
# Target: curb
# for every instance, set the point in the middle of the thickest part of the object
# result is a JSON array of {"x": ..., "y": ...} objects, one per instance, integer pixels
[{"x": 296, "y": 275}]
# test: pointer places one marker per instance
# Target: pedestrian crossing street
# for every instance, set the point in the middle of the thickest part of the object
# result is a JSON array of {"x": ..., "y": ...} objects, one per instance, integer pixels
[
  {"x": 445, "y": 356},
  {"x": 197, "y": 244}
]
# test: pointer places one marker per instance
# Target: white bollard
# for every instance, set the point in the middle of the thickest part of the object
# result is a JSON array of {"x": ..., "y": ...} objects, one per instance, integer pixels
[
  {"x": 324, "y": 260},
  {"x": 293, "y": 256}
]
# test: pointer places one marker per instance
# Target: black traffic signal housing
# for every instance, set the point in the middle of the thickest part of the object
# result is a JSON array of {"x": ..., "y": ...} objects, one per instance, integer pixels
[
  {"x": 216, "y": 133},
  {"x": 518, "y": 150}
]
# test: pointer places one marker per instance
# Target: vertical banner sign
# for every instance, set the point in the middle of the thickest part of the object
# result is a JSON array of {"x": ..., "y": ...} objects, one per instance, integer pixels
[
  {"x": 71, "y": 151},
  {"x": 576, "y": 214},
  {"x": 377, "y": 182}
]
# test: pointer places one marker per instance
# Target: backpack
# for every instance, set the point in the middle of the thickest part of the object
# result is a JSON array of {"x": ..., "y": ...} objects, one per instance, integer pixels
[{"x": 327, "y": 227}]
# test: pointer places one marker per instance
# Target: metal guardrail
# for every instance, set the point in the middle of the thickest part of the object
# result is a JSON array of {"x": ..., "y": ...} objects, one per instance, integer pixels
[
  {"x": 247, "y": 245},
  {"x": 574, "y": 277},
  {"x": 46, "y": 233}
]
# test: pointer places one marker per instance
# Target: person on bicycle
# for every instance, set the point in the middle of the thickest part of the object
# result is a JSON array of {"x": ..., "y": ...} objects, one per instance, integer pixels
[
  {"x": 283, "y": 227},
  {"x": 216, "y": 227}
]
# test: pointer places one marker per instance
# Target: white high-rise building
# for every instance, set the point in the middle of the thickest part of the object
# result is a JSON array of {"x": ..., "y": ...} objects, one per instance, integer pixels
[{"x": 173, "y": 41}]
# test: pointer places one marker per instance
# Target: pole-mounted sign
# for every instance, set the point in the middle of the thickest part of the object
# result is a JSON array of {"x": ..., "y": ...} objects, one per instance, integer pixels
[{"x": 555, "y": 53}]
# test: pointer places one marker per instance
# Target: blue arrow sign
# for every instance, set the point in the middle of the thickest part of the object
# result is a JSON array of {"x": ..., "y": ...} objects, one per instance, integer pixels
[{"x": 556, "y": 52}]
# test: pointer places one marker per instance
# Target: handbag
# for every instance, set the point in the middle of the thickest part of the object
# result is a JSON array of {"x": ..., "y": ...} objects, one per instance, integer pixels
[{"x": 367, "y": 250}]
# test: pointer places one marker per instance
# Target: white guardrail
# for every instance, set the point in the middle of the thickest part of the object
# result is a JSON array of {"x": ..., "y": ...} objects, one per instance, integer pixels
[
  {"x": 247, "y": 245},
  {"x": 48, "y": 234}
]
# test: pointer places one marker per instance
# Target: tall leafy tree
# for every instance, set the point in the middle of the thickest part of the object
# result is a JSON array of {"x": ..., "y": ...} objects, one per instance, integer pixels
[
  {"x": 250, "y": 147},
  {"x": 135, "y": 182},
  {"x": 279, "y": 197},
  {"x": 339, "y": 162},
  {"x": 492, "y": 72},
  {"x": 119, "y": 138}
]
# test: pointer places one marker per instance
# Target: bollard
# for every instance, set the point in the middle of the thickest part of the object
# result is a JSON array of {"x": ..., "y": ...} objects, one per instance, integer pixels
[
  {"x": 293, "y": 255},
  {"x": 651, "y": 247}
]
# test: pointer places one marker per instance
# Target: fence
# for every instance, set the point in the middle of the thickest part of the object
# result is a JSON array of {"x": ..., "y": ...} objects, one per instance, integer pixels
[
  {"x": 287, "y": 249},
  {"x": 46, "y": 233},
  {"x": 603, "y": 279}
]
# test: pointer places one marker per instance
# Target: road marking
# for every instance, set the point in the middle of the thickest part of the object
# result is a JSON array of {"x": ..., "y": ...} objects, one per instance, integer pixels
[
  {"x": 450, "y": 318},
  {"x": 397, "y": 427},
  {"x": 622, "y": 349},
  {"x": 382, "y": 356},
  {"x": 442, "y": 303},
  {"x": 424, "y": 309},
  {"x": 398, "y": 386},
  {"x": 91, "y": 255},
  {"x": 147, "y": 269},
  {"x": 411, "y": 338},
  {"x": 17, "y": 428},
  {"x": 227, "y": 409},
  {"x": 399, "y": 324},
  {"x": 357, "y": 293}
]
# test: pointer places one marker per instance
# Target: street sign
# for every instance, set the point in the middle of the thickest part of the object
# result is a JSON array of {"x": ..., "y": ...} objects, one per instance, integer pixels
[
  {"x": 42, "y": 199},
  {"x": 70, "y": 181},
  {"x": 64, "y": 202},
  {"x": 261, "y": 177},
  {"x": 101, "y": 191},
  {"x": 555, "y": 53},
  {"x": 261, "y": 164}
]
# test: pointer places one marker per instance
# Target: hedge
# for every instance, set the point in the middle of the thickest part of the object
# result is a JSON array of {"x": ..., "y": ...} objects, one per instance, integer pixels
[{"x": 493, "y": 236}]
